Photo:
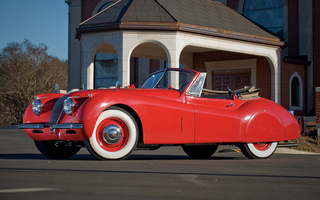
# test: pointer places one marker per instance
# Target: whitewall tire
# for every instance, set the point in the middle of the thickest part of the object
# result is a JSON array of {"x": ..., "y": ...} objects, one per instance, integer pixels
[
  {"x": 115, "y": 135},
  {"x": 258, "y": 150}
]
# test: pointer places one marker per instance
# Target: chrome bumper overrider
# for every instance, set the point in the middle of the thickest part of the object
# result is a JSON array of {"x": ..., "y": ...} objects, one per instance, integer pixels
[{"x": 54, "y": 126}]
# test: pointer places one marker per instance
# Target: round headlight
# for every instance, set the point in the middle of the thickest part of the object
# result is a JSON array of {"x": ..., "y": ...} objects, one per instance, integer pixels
[
  {"x": 68, "y": 106},
  {"x": 36, "y": 107}
]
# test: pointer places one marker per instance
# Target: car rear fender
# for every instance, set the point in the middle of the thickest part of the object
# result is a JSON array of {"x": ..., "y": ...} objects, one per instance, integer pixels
[
  {"x": 265, "y": 126},
  {"x": 263, "y": 120}
]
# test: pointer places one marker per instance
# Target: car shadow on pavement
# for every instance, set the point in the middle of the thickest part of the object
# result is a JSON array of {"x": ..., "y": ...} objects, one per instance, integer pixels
[
  {"x": 35, "y": 156},
  {"x": 39, "y": 156},
  {"x": 173, "y": 157},
  {"x": 22, "y": 156}
]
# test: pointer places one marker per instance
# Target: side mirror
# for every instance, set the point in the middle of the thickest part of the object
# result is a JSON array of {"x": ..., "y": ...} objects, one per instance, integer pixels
[
  {"x": 118, "y": 84},
  {"x": 57, "y": 88}
]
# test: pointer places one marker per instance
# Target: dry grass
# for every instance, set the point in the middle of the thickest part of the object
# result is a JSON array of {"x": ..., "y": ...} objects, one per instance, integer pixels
[
  {"x": 306, "y": 143},
  {"x": 309, "y": 142}
]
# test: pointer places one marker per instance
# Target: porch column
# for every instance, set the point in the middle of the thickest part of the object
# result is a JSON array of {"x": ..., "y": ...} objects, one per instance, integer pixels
[
  {"x": 275, "y": 64},
  {"x": 86, "y": 69},
  {"x": 123, "y": 67},
  {"x": 173, "y": 60},
  {"x": 123, "y": 52}
]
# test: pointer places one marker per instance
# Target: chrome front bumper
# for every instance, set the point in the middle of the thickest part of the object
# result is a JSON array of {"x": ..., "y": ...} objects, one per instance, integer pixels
[{"x": 53, "y": 126}]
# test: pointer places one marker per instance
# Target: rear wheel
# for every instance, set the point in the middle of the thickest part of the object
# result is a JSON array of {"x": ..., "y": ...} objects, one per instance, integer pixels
[
  {"x": 115, "y": 135},
  {"x": 200, "y": 151},
  {"x": 259, "y": 149},
  {"x": 57, "y": 149}
]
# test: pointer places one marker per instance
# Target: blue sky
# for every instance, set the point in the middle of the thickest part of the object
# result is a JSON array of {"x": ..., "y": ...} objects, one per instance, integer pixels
[{"x": 40, "y": 21}]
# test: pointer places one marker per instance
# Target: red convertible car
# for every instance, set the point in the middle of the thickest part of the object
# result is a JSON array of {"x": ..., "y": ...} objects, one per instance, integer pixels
[{"x": 170, "y": 108}]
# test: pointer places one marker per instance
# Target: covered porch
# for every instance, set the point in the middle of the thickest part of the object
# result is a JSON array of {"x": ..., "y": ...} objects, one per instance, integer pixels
[{"x": 131, "y": 42}]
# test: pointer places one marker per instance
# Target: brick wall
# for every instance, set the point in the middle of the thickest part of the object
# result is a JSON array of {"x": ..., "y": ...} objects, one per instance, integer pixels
[
  {"x": 318, "y": 106},
  {"x": 293, "y": 27},
  {"x": 287, "y": 69},
  {"x": 87, "y": 8},
  {"x": 316, "y": 42},
  {"x": 154, "y": 65},
  {"x": 233, "y": 4},
  {"x": 264, "y": 77}
]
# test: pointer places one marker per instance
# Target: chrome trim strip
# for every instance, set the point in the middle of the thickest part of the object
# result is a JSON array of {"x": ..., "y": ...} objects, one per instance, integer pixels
[
  {"x": 57, "y": 110},
  {"x": 66, "y": 126},
  {"x": 71, "y": 97},
  {"x": 31, "y": 126},
  {"x": 60, "y": 115}
]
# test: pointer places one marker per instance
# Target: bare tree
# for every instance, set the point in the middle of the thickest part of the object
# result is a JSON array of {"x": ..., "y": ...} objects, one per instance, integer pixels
[{"x": 26, "y": 70}]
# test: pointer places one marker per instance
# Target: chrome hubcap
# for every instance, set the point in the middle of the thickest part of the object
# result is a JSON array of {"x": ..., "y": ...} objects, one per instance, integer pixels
[{"x": 112, "y": 134}]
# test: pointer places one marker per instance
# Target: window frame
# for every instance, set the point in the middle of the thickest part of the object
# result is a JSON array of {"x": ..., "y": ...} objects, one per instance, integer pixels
[
  {"x": 281, "y": 28},
  {"x": 300, "y": 106}
]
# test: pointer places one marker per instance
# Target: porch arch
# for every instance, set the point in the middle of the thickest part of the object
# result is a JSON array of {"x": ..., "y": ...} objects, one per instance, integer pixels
[
  {"x": 146, "y": 57},
  {"x": 271, "y": 53},
  {"x": 87, "y": 68},
  {"x": 153, "y": 49}
]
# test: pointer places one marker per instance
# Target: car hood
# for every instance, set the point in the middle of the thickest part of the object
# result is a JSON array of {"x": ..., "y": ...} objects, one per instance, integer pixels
[{"x": 159, "y": 93}]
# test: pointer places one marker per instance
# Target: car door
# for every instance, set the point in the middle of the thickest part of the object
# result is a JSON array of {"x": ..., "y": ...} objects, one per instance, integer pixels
[
  {"x": 167, "y": 121},
  {"x": 215, "y": 120}
]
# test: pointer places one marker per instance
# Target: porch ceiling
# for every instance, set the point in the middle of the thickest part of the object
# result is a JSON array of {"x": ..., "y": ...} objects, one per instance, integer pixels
[
  {"x": 193, "y": 49},
  {"x": 195, "y": 16}
]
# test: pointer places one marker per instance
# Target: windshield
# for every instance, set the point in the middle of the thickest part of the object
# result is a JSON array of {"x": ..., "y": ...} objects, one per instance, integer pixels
[{"x": 171, "y": 79}]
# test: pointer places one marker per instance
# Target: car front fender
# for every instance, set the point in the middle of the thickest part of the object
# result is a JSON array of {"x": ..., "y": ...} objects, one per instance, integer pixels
[{"x": 98, "y": 103}]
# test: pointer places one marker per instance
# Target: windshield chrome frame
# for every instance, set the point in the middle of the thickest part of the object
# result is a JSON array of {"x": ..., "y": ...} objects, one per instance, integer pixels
[
  {"x": 164, "y": 72},
  {"x": 156, "y": 72}
]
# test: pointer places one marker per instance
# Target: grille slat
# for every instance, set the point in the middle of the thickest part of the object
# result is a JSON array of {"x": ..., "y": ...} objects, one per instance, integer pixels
[{"x": 57, "y": 108}]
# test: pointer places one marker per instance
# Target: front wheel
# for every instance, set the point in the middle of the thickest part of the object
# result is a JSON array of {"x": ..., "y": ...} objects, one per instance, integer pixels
[
  {"x": 115, "y": 135},
  {"x": 200, "y": 151},
  {"x": 259, "y": 149}
]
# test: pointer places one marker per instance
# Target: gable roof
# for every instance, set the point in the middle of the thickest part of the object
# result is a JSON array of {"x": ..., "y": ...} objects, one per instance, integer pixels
[{"x": 196, "y": 16}]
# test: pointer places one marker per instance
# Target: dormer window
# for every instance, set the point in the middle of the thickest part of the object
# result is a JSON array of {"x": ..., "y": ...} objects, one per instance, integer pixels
[{"x": 106, "y": 5}]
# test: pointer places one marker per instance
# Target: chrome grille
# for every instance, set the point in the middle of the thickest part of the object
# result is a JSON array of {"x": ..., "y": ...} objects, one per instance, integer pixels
[{"x": 57, "y": 109}]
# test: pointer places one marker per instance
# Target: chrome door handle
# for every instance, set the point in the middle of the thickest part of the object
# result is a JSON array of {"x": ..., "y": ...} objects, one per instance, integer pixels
[{"x": 230, "y": 105}]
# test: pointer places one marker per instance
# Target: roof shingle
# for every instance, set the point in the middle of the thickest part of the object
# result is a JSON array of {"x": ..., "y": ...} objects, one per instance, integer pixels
[{"x": 198, "y": 16}]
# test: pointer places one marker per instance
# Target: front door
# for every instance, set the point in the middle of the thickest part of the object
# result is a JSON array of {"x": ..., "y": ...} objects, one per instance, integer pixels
[
  {"x": 215, "y": 120},
  {"x": 234, "y": 79}
]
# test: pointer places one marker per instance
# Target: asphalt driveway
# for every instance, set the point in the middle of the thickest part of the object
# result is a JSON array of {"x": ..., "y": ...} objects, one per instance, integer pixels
[{"x": 166, "y": 173}]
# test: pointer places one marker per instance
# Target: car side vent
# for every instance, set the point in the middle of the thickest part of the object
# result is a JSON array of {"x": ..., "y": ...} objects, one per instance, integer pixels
[{"x": 57, "y": 109}]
